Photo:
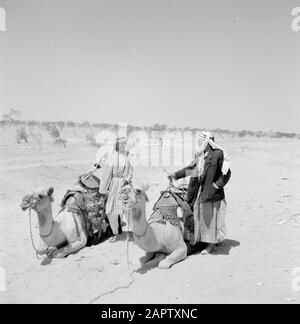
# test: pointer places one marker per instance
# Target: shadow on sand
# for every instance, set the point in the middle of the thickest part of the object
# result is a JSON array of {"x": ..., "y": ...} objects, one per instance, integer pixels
[
  {"x": 144, "y": 269},
  {"x": 222, "y": 249},
  {"x": 122, "y": 237},
  {"x": 46, "y": 261},
  {"x": 225, "y": 247}
]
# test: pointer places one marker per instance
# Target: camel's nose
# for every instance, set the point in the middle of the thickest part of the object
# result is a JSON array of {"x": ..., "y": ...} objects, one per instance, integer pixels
[{"x": 24, "y": 206}]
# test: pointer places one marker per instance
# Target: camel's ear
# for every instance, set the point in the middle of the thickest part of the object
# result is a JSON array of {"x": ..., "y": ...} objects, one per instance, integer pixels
[
  {"x": 50, "y": 191},
  {"x": 145, "y": 186},
  {"x": 141, "y": 186}
]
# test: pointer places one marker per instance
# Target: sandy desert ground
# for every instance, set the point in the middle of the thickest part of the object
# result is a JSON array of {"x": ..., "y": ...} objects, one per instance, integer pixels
[{"x": 255, "y": 264}]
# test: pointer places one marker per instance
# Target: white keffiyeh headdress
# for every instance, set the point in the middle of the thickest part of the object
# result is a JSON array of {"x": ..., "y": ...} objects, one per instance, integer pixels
[{"x": 208, "y": 139}]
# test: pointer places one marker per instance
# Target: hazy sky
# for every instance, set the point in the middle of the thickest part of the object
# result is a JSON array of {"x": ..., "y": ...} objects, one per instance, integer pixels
[{"x": 231, "y": 64}]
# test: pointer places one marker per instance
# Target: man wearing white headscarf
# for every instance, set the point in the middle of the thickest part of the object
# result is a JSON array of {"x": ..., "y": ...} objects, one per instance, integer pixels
[
  {"x": 210, "y": 172},
  {"x": 116, "y": 172}
]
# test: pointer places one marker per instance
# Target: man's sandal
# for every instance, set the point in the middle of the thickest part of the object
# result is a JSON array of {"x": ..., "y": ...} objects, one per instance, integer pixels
[
  {"x": 113, "y": 239},
  {"x": 210, "y": 248}
]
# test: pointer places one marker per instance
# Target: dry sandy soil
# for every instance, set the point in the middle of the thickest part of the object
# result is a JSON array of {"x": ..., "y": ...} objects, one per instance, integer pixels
[{"x": 255, "y": 264}]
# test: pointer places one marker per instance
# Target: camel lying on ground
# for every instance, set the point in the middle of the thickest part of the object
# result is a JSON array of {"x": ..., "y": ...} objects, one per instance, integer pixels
[
  {"x": 66, "y": 227},
  {"x": 163, "y": 243}
]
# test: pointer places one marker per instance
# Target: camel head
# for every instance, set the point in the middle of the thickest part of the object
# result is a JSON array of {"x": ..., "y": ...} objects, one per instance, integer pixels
[
  {"x": 135, "y": 197},
  {"x": 38, "y": 200}
]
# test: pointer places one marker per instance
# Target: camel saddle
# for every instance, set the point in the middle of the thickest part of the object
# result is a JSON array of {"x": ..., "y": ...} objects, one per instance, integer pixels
[
  {"x": 166, "y": 210},
  {"x": 84, "y": 199}
]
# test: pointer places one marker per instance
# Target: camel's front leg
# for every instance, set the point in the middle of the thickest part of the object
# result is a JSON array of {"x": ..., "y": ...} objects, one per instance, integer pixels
[
  {"x": 176, "y": 256},
  {"x": 156, "y": 260},
  {"x": 148, "y": 256},
  {"x": 71, "y": 248},
  {"x": 46, "y": 250}
]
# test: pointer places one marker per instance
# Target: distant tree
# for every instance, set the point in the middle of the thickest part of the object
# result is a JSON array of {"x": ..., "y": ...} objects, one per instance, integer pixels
[
  {"x": 159, "y": 127},
  {"x": 15, "y": 114},
  {"x": 12, "y": 116}
]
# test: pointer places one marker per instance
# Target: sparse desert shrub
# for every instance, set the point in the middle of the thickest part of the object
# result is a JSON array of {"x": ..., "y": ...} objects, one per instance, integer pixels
[
  {"x": 22, "y": 135},
  {"x": 60, "y": 140},
  {"x": 242, "y": 133},
  {"x": 90, "y": 138},
  {"x": 55, "y": 134},
  {"x": 73, "y": 126},
  {"x": 283, "y": 135},
  {"x": 47, "y": 125},
  {"x": 32, "y": 123},
  {"x": 38, "y": 138},
  {"x": 70, "y": 124},
  {"x": 159, "y": 127},
  {"x": 61, "y": 125},
  {"x": 85, "y": 124}
]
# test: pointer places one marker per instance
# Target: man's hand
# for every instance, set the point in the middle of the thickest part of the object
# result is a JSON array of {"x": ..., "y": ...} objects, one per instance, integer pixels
[
  {"x": 171, "y": 175},
  {"x": 124, "y": 182}
]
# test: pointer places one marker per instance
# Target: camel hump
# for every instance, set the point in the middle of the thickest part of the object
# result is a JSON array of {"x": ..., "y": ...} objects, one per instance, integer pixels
[{"x": 76, "y": 204}]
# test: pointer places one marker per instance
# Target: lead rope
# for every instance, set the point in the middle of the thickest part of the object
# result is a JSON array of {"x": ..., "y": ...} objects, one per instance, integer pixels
[
  {"x": 31, "y": 237},
  {"x": 130, "y": 272},
  {"x": 32, "y": 242}
]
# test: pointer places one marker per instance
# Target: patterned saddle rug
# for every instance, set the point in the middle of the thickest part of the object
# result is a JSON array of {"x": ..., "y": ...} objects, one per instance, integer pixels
[
  {"x": 172, "y": 207},
  {"x": 84, "y": 199}
]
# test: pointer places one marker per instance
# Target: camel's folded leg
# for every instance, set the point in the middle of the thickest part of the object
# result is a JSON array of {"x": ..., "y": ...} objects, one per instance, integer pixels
[
  {"x": 148, "y": 256},
  {"x": 176, "y": 256},
  {"x": 155, "y": 261},
  {"x": 45, "y": 250},
  {"x": 71, "y": 248}
]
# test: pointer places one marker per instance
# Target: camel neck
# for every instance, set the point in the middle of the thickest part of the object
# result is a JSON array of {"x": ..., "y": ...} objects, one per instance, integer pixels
[
  {"x": 139, "y": 222},
  {"x": 45, "y": 220}
]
